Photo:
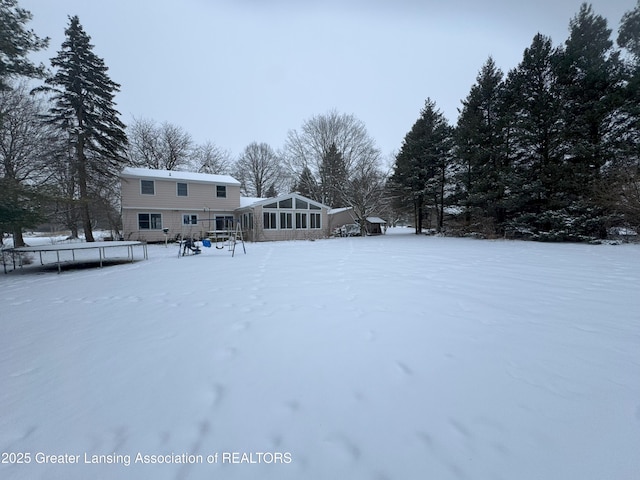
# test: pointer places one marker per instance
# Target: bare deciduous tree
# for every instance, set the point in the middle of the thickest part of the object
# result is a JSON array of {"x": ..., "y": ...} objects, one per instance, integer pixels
[
  {"x": 339, "y": 153},
  {"x": 258, "y": 169},
  {"x": 366, "y": 188},
  {"x": 164, "y": 147},
  {"x": 313, "y": 142},
  {"x": 24, "y": 139},
  {"x": 209, "y": 158}
]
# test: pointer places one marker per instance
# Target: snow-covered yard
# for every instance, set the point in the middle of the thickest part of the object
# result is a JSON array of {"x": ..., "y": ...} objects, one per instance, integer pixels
[{"x": 392, "y": 357}]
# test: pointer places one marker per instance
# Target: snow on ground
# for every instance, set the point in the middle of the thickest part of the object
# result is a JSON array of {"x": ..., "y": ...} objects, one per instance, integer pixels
[{"x": 392, "y": 357}]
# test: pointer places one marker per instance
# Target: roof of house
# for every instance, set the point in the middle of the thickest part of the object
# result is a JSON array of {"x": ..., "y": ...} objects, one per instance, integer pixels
[
  {"x": 178, "y": 175},
  {"x": 375, "y": 220},
  {"x": 333, "y": 211},
  {"x": 248, "y": 201},
  {"x": 254, "y": 202}
]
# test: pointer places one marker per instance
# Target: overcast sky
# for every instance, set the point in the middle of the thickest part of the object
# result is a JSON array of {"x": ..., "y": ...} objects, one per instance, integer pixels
[{"x": 237, "y": 71}]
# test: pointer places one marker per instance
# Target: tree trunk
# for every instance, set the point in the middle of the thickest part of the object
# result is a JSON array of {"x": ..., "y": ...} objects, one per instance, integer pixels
[
  {"x": 18, "y": 240},
  {"x": 84, "y": 192}
]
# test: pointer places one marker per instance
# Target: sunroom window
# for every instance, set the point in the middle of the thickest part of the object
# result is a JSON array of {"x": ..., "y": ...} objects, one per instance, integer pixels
[
  {"x": 286, "y": 220},
  {"x": 315, "y": 220},
  {"x": 287, "y": 203},
  {"x": 269, "y": 220}
]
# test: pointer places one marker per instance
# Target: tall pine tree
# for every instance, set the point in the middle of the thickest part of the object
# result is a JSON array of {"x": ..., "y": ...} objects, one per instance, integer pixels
[
  {"x": 333, "y": 177},
  {"x": 420, "y": 169},
  {"x": 536, "y": 141},
  {"x": 84, "y": 109},
  {"x": 481, "y": 148},
  {"x": 307, "y": 186},
  {"x": 590, "y": 77},
  {"x": 16, "y": 42},
  {"x": 626, "y": 175}
]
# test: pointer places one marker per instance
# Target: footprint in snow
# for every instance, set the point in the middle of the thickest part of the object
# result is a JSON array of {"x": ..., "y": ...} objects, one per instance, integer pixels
[
  {"x": 404, "y": 368},
  {"x": 227, "y": 353},
  {"x": 241, "y": 326},
  {"x": 217, "y": 394},
  {"x": 346, "y": 445}
]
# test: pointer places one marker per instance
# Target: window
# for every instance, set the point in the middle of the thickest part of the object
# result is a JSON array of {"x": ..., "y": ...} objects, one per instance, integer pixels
[
  {"x": 287, "y": 203},
  {"x": 189, "y": 219},
  {"x": 314, "y": 207},
  {"x": 315, "y": 220},
  {"x": 149, "y": 221},
  {"x": 301, "y": 220},
  {"x": 285, "y": 220},
  {"x": 221, "y": 191},
  {"x": 301, "y": 204},
  {"x": 247, "y": 221},
  {"x": 182, "y": 189},
  {"x": 271, "y": 205},
  {"x": 269, "y": 220},
  {"x": 147, "y": 187}
]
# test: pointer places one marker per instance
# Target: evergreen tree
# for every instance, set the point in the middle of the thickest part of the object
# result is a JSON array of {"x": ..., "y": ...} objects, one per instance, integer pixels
[
  {"x": 419, "y": 173},
  {"x": 590, "y": 76},
  {"x": 481, "y": 147},
  {"x": 535, "y": 141},
  {"x": 21, "y": 205},
  {"x": 629, "y": 34},
  {"x": 624, "y": 191},
  {"x": 84, "y": 109},
  {"x": 333, "y": 177},
  {"x": 307, "y": 186},
  {"x": 16, "y": 42}
]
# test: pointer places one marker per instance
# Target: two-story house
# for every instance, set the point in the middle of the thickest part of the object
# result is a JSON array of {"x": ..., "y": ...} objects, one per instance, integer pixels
[{"x": 185, "y": 203}]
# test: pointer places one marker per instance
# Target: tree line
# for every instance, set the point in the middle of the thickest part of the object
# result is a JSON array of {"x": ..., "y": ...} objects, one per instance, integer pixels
[{"x": 550, "y": 150}]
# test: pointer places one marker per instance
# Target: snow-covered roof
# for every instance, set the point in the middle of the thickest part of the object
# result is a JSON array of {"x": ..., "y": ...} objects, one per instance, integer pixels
[
  {"x": 333, "y": 211},
  {"x": 178, "y": 175},
  {"x": 248, "y": 201},
  {"x": 375, "y": 220}
]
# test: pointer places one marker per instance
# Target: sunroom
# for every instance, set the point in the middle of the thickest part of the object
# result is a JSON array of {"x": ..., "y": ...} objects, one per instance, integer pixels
[{"x": 287, "y": 217}]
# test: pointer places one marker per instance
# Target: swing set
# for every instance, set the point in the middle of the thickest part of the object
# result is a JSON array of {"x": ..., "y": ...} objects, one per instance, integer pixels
[{"x": 228, "y": 237}]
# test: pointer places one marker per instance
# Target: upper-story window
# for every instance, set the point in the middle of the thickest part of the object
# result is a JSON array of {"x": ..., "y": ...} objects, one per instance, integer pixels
[
  {"x": 182, "y": 189},
  {"x": 221, "y": 191},
  {"x": 147, "y": 187}
]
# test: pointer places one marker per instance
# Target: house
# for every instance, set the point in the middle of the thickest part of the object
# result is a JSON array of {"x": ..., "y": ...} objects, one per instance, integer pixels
[
  {"x": 185, "y": 203},
  {"x": 287, "y": 217},
  {"x": 201, "y": 205}
]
